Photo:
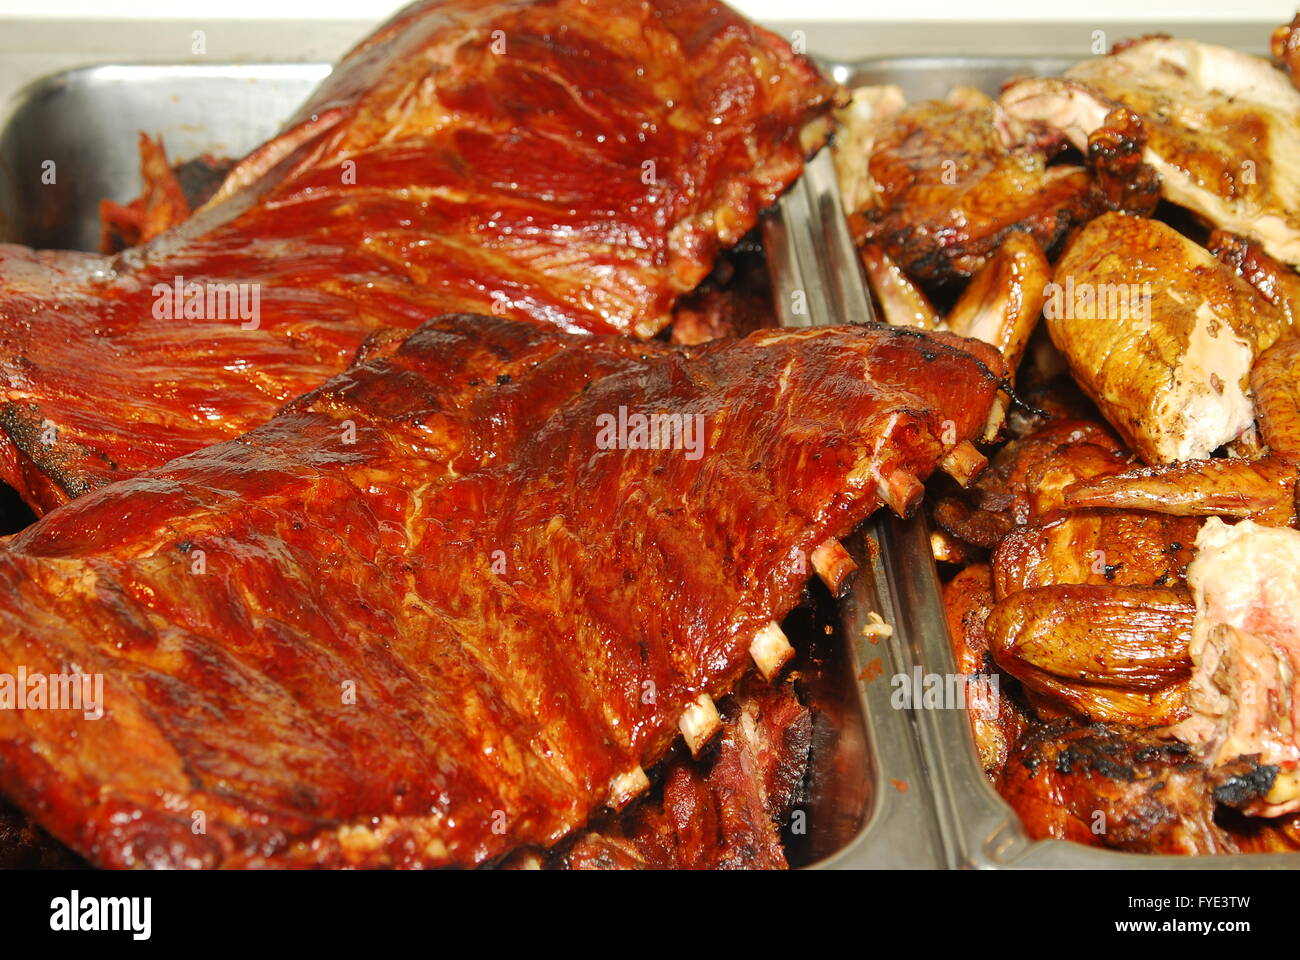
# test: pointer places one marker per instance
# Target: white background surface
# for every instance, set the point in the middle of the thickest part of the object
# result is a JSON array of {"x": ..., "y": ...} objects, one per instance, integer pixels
[{"x": 1170, "y": 10}]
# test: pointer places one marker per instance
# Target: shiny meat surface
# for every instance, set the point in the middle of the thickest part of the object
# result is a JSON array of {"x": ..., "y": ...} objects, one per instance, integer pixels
[
  {"x": 1160, "y": 334},
  {"x": 443, "y": 606},
  {"x": 1222, "y": 128},
  {"x": 1262, "y": 488},
  {"x": 574, "y": 163},
  {"x": 1121, "y": 789},
  {"x": 947, "y": 182},
  {"x": 996, "y": 715}
]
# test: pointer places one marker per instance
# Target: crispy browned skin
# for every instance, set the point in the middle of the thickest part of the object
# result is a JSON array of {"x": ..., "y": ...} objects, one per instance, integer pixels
[
  {"x": 583, "y": 176},
  {"x": 1276, "y": 282},
  {"x": 1168, "y": 358},
  {"x": 1122, "y": 789},
  {"x": 1002, "y": 303},
  {"x": 497, "y": 589},
  {"x": 721, "y": 813},
  {"x": 1117, "y": 654},
  {"x": 900, "y": 301},
  {"x": 1026, "y": 478},
  {"x": 1100, "y": 547},
  {"x": 1264, "y": 490},
  {"x": 1088, "y": 611},
  {"x": 997, "y": 719},
  {"x": 948, "y": 191},
  {"x": 1220, "y": 128},
  {"x": 1123, "y": 182}
]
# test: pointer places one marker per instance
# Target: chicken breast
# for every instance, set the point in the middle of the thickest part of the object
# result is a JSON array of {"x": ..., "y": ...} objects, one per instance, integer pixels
[
  {"x": 1245, "y": 649},
  {"x": 1160, "y": 334},
  {"x": 1223, "y": 129}
]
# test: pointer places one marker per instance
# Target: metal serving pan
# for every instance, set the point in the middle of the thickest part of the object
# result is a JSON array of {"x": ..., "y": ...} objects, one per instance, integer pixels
[
  {"x": 979, "y": 829},
  {"x": 869, "y": 804}
]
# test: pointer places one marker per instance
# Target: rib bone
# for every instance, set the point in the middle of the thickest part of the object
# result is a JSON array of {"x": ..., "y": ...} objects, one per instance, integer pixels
[
  {"x": 963, "y": 462},
  {"x": 625, "y": 787},
  {"x": 770, "y": 650},
  {"x": 699, "y": 722},
  {"x": 834, "y": 565}
]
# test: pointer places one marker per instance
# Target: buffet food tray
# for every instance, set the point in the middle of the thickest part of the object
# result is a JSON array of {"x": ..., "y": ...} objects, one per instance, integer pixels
[
  {"x": 887, "y": 787},
  {"x": 979, "y": 829}
]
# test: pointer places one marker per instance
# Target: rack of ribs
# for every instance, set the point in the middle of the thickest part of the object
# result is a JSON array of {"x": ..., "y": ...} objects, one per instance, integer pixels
[
  {"x": 443, "y": 607},
  {"x": 574, "y": 163}
]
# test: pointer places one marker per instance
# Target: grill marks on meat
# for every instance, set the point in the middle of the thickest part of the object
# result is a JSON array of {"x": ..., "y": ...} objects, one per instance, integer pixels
[
  {"x": 726, "y": 816},
  {"x": 490, "y": 688},
  {"x": 1122, "y": 789},
  {"x": 950, "y": 181},
  {"x": 584, "y": 178}
]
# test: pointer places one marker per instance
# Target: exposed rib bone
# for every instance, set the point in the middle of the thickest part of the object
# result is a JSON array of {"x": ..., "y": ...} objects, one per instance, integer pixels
[
  {"x": 770, "y": 650},
  {"x": 625, "y": 787},
  {"x": 963, "y": 462},
  {"x": 902, "y": 491},
  {"x": 699, "y": 722},
  {"x": 834, "y": 565}
]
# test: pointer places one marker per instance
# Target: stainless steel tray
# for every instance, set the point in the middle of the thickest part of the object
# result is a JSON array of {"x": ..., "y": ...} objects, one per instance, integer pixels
[
  {"x": 979, "y": 829},
  {"x": 889, "y": 788}
]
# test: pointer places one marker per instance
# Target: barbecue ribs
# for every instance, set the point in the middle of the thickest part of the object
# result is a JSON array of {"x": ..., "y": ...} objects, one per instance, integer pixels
[
  {"x": 441, "y": 606},
  {"x": 726, "y": 817},
  {"x": 574, "y": 163}
]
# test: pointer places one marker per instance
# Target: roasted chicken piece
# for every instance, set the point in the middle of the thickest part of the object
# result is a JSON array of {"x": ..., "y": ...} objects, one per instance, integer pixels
[
  {"x": 1025, "y": 479},
  {"x": 1285, "y": 47},
  {"x": 1000, "y": 305},
  {"x": 1089, "y": 611},
  {"x": 1119, "y": 788},
  {"x": 996, "y": 715},
  {"x": 1245, "y": 693},
  {"x": 900, "y": 302},
  {"x": 1222, "y": 128},
  {"x": 1263, "y": 489},
  {"x": 946, "y": 182},
  {"x": 1115, "y": 654},
  {"x": 1091, "y": 616},
  {"x": 1160, "y": 334}
]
